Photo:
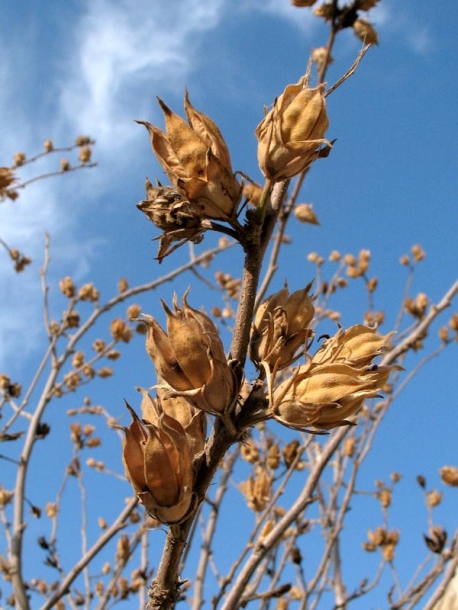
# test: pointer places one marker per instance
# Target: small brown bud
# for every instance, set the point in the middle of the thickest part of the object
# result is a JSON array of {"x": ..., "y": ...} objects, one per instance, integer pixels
[
  {"x": 88, "y": 292},
  {"x": 48, "y": 146},
  {"x": 83, "y": 141},
  {"x": 365, "y": 31},
  {"x": 418, "y": 253},
  {"x": 67, "y": 287},
  {"x": 449, "y": 475},
  {"x": 436, "y": 539},
  {"x": 85, "y": 154},
  {"x": 349, "y": 446},
  {"x": 64, "y": 165},
  {"x": 304, "y": 213},
  {"x": 122, "y": 285},
  {"x": 71, "y": 319},
  {"x": 133, "y": 312},
  {"x": 434, "y": 498},
  {"x": 421, "y": 481},
  {"x": 120, "y": 331},
  {"x": 19, "y": 159}
]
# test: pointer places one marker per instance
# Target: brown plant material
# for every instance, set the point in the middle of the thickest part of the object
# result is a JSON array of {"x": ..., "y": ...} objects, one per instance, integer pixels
[
  {"x": 334, "y": 383},
  {"x": 190, "y": 358},
  {"x": 196, "y": 160},
  {"x": 175, "y": 215},
  {"x": 193, "y": 420},
  {"x": 385, "y": 540},
  {"x": 365, "y": 31},
  {"x": 67, "y": 287},
  {"x": 449, "y": 475},
  {"x": 257, "y": 490},
  {"x": 158, "y": 464},
  {"x": 281, "y": 327},
  {"x": 303, "y": 3},
  {"x": 304, "y": 213},
  {"x": 291, "y": 134},
  {"x": 436, "y": 539}
]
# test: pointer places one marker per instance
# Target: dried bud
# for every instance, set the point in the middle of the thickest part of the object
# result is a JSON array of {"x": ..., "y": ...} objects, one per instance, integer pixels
[
  {"x": 179, "y": 219},
  {"x": 365, "y": 31},
  {"x": 190, "y": 358},
  {"x": 120, "y": 331},
  {"x": 85, "y": 154},
  {"x": 67, "y": 287},
  {"x": 434, "y": 498},
  {"x": 83, "y": 141},
  {"x": 257, "y": 490},
  {"x": 195, "y": 158},
  {"x": 281, "y": 327},
  {"x": 19, "y": 159},
  {"x": 48, "y": 146},
  {"x": 349, "y": 446},
  {"x": 449, "y": 475},
  {"x": 436, "y": 539},
  {"x": 290, "y": 135},
  {"x": 304, "y": 213},
  {"x": 158, "y": 464},
  {"x": 64, "y": 165},
  {"x": 88, "y": 292}
]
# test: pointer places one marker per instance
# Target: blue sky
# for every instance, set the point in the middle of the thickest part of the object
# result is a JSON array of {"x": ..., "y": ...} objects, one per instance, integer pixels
[{"x": 93, "y": 67}]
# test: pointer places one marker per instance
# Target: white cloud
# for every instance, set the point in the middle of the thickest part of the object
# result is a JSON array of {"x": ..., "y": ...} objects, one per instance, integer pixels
[{"x": 124, "y": 50}]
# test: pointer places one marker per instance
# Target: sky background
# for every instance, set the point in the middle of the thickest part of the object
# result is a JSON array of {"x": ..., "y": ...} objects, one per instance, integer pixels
[{"x": 72, "y": 68}]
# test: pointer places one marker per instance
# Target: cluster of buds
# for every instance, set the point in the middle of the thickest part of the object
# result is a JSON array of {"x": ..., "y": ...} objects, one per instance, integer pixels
[
  {"x": 190, "y": 360},
  {"x": 281, "y": 327},
  {"x": 174, "y": 215},
  {"x": 196, "y": 160},
  {"x": 292, "y": 132},
  {"x": 385, "y": 540},
  {"x": 158, "y": 455},
  {"x": 334, "y": 383}
]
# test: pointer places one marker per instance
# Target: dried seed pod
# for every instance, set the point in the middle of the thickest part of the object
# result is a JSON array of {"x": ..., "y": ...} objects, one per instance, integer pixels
[
  {"x": 334, "y": 383},
  {"x": 158, "y": 464},
  {"x": 281, "y": 327},
  {"x": 291, "y": 134},
  {"x": 196, "y": 159},
  {"x": 175, "y": 215},
  {"x": 190, "y": 358}
]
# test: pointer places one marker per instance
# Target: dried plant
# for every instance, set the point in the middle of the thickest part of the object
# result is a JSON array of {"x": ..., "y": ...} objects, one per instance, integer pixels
[{"x": 281, "y": 420}]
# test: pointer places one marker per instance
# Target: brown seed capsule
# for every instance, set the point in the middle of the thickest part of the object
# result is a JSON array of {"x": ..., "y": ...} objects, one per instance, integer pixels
[
  {"x": 196, "y": 159},
  {"x": 281, "y": 327},
  {"x": 334, "y": 383},
  {"x": 190, "y": 358},
  {"x": 158, "y": 463},
  {"x": 290, "y": 135}
]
